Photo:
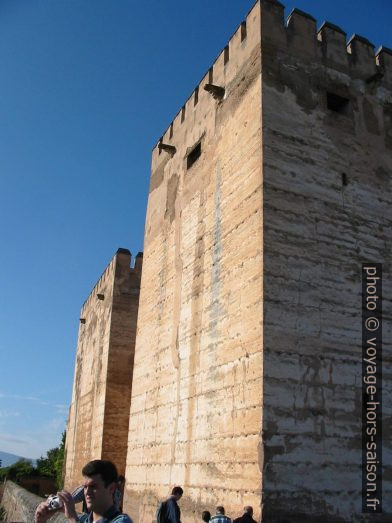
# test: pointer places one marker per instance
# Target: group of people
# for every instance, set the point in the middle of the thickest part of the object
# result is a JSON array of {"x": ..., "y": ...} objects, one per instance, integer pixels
[
  {"x": 102, "y": 495},
  {"x": 169, "y": 512},
  {"x": 220, "y": 516}
]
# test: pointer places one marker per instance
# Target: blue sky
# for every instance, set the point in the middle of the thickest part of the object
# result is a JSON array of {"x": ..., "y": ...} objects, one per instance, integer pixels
[{"x": 86, "y": 89}]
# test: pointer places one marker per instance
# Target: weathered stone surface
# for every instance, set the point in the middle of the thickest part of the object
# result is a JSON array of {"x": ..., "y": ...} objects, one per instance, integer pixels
[
  {"x": 20, "y": 505},
  {"x": 317, "y": 233},
  {"x": 248, "y": 360},
  {"x": 99, "y": 413},
  {"x": 196, "y": 402}
]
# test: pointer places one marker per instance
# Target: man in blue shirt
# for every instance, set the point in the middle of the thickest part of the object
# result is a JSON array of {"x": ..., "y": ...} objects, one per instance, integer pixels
[
  {"x": 220, "y": 516},
  {"x": 100, "y": 483}
]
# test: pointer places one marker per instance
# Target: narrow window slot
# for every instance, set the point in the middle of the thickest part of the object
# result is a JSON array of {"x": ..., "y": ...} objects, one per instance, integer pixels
[
  {"x": 226, "y": 55},
  {"x": 243, "y": 31},
  {"x": 193, "y": 156}
]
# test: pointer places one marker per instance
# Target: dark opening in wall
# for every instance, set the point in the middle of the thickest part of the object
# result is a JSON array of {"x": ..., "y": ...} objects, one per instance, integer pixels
[
  {"x": 243, "y": 31},
  {"x": 337, "y": 103},
  {"x": 211, "y": 75},
  {"x": 226, "y": 55},
  {"x": 183, "y": 114},
  {"x": 193, "y": 155},
  {"x": 196, "y": 99},
  {"x": 344, "y": 179}
]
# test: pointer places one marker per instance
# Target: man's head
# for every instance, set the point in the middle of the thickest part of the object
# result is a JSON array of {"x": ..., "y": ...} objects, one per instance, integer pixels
[
  {"x": 220, "y": 510},
  {"x": 206, "y": 516},
  {"x": 100, "y": 480},
  {"x": 177, "y": 492},
  {"x": 248, "y": 510}
]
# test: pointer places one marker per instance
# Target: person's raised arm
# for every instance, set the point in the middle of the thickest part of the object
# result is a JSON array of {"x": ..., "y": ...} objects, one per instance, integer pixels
[
  {"x": 69, "y": 506},
  {"x": 43, "y": 513}
]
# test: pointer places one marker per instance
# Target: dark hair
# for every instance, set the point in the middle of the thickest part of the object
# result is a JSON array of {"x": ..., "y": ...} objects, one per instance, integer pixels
[
  {"x": 121, "y": 479},
  {"x": 106, "y": 469},
  {"x": 206, "y": 516},
  {"x": 177, "y": 491},
  {"x": 220, "y": 510},
  {"x": 248, "y": 510}
]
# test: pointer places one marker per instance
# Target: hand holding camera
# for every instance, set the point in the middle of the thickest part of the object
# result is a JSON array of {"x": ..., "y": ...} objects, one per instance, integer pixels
[
  {"x": 62, "y": 501},
  {"x": 55, "y": 502}
]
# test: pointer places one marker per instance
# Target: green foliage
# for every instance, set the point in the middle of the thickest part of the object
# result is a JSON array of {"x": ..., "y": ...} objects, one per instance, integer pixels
[
  {"x": 50, "y": 466},
  {"x": 21, "y": 468}
]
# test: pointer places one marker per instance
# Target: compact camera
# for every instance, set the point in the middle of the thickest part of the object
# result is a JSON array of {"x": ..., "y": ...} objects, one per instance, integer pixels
[{"x": 54, "y": 502}]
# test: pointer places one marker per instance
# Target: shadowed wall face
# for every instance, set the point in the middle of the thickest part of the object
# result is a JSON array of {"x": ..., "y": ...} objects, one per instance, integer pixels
[
  {"x": 196, "y": 400},
  {"x": 99, "y": 414},
  {"x": 327, "y": 209}
]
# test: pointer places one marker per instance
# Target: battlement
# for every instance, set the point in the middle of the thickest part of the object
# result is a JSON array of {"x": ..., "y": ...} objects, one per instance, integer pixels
[
  {"x": 327, "y": 45},
  {"x": 223, "y": 70},
  {"x": 125, "y": 257},
  {"x": 298, "y": 37}
]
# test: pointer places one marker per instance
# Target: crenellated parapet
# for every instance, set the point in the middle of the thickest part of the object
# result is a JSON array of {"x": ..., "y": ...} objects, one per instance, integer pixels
[
  {"x": 122, "y": 256},
  {"x": 327, "y": 45},
  {"x": 193, "y": 117},
  {"x": 324, "y": 47}
]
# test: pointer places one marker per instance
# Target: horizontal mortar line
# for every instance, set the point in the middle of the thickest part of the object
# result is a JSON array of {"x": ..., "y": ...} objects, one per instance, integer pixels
[
  {"x": 155, "y": 444},
  {"x": 200, "y": 354},
  {"x": 216, "y": 436},
  {"x": 309, "y": 383},
  {"x": 205, "y": 462},
  {"x": 190, "y": 486},
  {"x": 319, "y": 356},
  {"x": 207, "y": 391},
  {"x": 155, "y": 407},
  {"x": 231, "y": 363}
]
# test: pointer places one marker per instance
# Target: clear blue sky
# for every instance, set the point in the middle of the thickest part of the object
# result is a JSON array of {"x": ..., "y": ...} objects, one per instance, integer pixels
[{"x": 86, "y": 89}]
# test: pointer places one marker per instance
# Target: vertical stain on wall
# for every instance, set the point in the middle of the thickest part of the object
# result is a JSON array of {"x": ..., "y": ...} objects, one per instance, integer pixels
[
  {"x": 195, "y": 329},
  {"x": 174, "y": 346},
  {"x": 215, "y": 309}
]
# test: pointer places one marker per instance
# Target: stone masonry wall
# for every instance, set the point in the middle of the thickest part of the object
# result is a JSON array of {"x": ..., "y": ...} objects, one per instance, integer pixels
[
  {"x": 99, "y": 412},
  {"x": 196, "y": 400},
  {"x": 20, "y": 505},
  {"x": 327, "y": 209}
]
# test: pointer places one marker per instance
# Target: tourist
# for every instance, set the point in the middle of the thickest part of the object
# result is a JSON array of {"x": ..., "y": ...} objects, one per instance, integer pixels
[
  {"x": 246, "y": 516},
  {"x": 100, "y": 482},
  {"x": 220, "y": 516},
  {"x": 206, "y": 516},
  {"x": 169, "y": 511}
]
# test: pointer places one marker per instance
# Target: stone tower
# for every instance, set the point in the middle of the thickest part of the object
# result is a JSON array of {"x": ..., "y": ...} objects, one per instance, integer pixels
[
  {"x": 269, "y": 189},
  {"x": 99, "y": 413}
]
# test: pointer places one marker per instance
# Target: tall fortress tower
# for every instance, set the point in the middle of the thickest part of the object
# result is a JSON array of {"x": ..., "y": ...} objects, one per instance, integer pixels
[{"x": 268, "y": 191}]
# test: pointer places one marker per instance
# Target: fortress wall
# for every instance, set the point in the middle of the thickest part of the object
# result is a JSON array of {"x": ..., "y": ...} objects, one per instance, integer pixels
[
  {"x": 105, "y": 345},
  {"x": 196, "y": 398},
  {"x": 327, "y": 209}
]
